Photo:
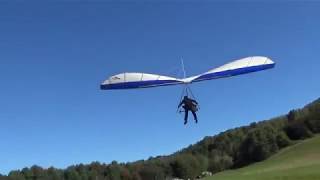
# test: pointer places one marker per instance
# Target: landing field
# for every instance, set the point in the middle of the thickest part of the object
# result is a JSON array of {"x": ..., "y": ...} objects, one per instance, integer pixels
[{"x": 298, "y": 162}]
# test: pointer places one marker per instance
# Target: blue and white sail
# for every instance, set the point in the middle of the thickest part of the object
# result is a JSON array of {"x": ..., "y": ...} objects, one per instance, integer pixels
[
  {"x": 143, "y": 80},
  {"x": 234, "y": 68},
  {"x": 138, "y": 80}
]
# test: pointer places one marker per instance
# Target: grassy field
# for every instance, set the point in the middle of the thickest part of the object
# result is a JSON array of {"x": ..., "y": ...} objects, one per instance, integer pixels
[{"x": 298, "y": 162}]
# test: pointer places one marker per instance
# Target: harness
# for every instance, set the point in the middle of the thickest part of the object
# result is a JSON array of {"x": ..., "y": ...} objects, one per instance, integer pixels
[{"x": 186, "y": 91}]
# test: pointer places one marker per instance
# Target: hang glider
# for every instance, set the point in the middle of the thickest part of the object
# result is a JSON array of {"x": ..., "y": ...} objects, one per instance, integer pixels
[{"x": 134, "y": 80}]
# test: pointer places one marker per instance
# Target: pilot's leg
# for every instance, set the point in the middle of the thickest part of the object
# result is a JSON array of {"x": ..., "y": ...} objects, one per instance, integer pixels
[
  {"x": 195, "y": 116},
  {"x": 186, "y": 116}
]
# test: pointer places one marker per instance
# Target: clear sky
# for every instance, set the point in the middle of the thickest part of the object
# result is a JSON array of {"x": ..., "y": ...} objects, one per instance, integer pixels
[{"x": 54, "y": 55}]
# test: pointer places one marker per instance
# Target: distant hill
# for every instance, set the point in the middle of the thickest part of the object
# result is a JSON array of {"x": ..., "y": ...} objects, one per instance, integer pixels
[
  {"x": 232, "y": 149},
  {"x": 297, "y": 162}
]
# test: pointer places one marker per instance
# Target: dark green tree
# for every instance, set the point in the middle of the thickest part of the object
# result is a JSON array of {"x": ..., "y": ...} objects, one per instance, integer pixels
[
  {"x": 219, "y": 161},
  {"x": 16, "y": 175},
  {"x": 259, "y": 144},
  {"x": 54, "y": 174},
  {"x": 298, "y": 130},
  {"x": 185, "y": 166},
  {"x": 151, "y": 171},
  {"x": 282, "y": 140},
  {"x": 71, "y": 174}
]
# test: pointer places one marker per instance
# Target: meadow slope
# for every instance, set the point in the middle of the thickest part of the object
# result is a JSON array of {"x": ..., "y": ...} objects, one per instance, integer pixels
[{"x": 298, "y": 162}]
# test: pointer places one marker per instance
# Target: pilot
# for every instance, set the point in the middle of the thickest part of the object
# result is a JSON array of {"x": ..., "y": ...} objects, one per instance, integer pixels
[{"x": 189, "y": 105}]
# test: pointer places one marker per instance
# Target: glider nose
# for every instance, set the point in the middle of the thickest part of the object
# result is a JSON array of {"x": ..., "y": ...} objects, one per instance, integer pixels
[
  {"x": 269, "y": 61},
  {"x": 104, "y": 84}
]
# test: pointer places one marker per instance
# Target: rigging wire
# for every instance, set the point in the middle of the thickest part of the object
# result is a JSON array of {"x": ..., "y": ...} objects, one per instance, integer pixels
[{"x": 186, "y": 90}]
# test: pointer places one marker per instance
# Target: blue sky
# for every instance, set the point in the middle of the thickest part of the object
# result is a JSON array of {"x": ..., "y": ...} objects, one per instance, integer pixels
[{"x": 53, "y": 57}]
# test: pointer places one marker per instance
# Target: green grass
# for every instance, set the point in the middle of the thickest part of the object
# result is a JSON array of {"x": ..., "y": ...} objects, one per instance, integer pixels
[{"x": 298, "y": 162}]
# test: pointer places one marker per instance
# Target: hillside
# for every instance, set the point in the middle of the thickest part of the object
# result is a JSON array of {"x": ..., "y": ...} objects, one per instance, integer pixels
[
  {"x": 270, "y": 142},
  {"x": 297, "y": 162}
]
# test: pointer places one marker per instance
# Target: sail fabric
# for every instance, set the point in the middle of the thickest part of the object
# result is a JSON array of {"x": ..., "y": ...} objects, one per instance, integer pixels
[
  {"x": 238, "y": 67},
  {"x": 131, "y": 80},
  {"x": 138, "y": 80}
]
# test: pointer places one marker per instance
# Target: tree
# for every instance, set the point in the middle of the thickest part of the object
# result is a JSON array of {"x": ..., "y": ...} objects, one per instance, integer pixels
[
  {"x": 16, "y": 175},
  {"x": 219, "y": 161},
  {"x": 27, "y": 173},
  {"x": 313, "y": 123},
  {"x": 125, "y": 174},
  {"x": 136, "y": 176},
  {"x": 150, "y": 171},
  {"x": 37, "y": 172},
  {"x": 259, "y": 144},
  {"x": 298, "y": 130},
  {"x": 71, "y": 174},
  {"x": 291, "y": 116},
  {"x": 202, "y": 161},
  {"x": 282, "y": 140},
  {"x": 185, "y": 166},
  {"x": 54, "y": 174},
  {"x": 113, "y": 171}
]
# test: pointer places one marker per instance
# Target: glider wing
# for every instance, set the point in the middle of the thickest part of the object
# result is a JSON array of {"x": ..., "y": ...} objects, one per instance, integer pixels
[
  {"x": 144, "y": 80},
  {"x": 138, "y": 80},
  {"x": 241, "y": 66}
]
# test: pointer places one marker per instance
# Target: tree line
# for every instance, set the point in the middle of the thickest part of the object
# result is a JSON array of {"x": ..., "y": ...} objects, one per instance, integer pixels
[{"x": 231, "y": 149}]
